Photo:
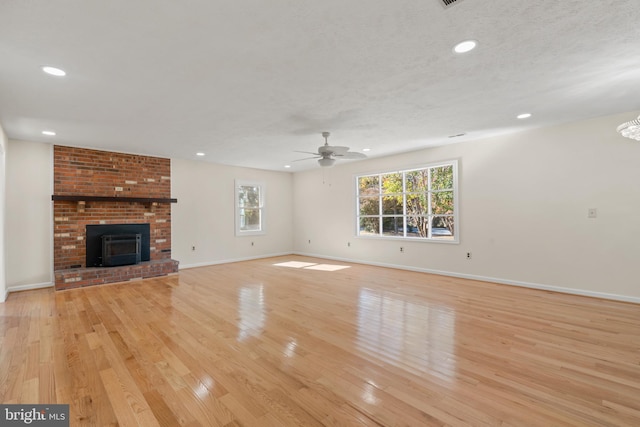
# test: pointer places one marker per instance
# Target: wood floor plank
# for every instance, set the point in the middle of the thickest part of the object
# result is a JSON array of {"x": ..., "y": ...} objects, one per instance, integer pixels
[
  {"x": 206, "y": 401},
  {"x": 260, "y": 343},
  {"x": 125, "y": 405}
]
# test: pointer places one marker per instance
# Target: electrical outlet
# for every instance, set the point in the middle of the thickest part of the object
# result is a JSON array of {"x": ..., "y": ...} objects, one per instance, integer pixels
[
  {"x": 309, "y": 241},
  {"x": 193, "y": 248},
  {"x": 468, "y": 255},
  {"x": 251, "y": 243},
  {"x": 349, "y": 244},
  {"x": 401, "y": 249}
]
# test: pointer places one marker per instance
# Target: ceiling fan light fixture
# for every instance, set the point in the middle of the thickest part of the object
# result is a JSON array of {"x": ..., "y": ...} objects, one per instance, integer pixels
[
  {"x": 630, "y": 129},
  {"x": 326, "y": 162},
  {"x": 328, "y": 154}
]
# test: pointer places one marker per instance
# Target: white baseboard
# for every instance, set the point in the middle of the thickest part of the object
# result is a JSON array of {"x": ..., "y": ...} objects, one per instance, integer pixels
[
  {"x": 573, "y": 291},
  {"x": 29, "y": 287},
  {"x": 228, "y": 261}
]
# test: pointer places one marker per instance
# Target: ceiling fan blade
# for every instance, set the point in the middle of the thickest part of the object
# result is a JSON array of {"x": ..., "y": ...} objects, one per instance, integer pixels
[
  {"x": 351, "y": 155},
  {"x": 336, "y": 149},
  {"x": 329, "y": 153},
  {"x": 306, "y": 152},
  {"x": 307, "y": 158}
]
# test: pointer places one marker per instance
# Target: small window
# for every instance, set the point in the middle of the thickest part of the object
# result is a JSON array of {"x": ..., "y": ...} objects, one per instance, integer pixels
[
  {"x": 250, "y": 210},
  {"x": 415, "y": 204}
]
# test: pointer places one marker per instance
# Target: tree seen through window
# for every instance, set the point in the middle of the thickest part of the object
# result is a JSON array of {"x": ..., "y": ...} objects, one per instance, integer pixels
[{"x": 416, "y": 203}]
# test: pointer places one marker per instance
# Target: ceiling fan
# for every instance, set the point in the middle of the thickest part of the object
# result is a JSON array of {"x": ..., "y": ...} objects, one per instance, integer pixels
[{"x": 328, "y": 154}]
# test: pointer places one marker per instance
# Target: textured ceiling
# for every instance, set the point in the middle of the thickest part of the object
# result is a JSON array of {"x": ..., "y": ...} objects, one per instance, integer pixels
[{"x": 249, "y": 82}]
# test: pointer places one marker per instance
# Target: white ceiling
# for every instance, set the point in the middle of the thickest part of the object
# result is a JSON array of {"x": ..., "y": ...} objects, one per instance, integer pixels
[{"x": 248, "y": 82}]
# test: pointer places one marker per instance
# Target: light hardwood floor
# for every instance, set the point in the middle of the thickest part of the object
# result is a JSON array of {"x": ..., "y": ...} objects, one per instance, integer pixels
[{"x": 258, "y": 344}]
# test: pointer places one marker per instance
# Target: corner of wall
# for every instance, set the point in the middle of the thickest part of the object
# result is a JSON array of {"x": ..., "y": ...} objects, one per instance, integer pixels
[
  {"x": 3, "y": 180},
  {"x": 27, "y": 216}
]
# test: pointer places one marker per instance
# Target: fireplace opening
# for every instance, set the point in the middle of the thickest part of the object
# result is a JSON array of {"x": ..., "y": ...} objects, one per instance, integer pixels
[
  {"x": 120, "y": 249},
  {"x": 111, "y": 245}
]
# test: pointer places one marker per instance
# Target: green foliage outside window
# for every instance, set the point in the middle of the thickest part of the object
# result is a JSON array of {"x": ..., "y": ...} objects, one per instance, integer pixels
[
  {"x": 249, "y": 208},
  {"x": 415, "y": 203}
]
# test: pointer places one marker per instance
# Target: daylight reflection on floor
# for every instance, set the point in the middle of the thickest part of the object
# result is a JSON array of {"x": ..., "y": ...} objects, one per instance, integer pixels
[
  {"x": 251, "y": 311},
  {"x": 402, "y": 332},
  {"x": 311, "y": 266}
]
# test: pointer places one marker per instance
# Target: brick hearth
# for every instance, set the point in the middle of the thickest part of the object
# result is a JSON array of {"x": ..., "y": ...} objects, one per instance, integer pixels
[
  {"x": 91, "y": 173},
  {"x": 79, "y": 277}
]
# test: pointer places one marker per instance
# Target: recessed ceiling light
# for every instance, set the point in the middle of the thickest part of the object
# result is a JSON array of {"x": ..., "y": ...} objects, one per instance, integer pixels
[
  {"x": 366, "y": 149},
  {"x": 287, "y": 166},
  {"x": 48, "y": 133},
  {"x": 54, "y": 71},
  {"x": 200, "y": 154},
  {"x": 465, "y": 46},
  {"x": 524, "y": 116}
]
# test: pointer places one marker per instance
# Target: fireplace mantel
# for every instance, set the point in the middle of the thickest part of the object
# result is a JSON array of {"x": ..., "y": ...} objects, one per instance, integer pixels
[{"x": 80, "y": 198}]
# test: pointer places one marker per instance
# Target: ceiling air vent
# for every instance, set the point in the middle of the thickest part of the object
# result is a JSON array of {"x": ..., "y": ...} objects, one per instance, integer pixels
[{"x": 448, "y": 3}]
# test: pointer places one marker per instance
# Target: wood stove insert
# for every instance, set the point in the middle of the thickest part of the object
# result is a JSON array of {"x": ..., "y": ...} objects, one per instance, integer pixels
[{"x": 112, "y": 245}]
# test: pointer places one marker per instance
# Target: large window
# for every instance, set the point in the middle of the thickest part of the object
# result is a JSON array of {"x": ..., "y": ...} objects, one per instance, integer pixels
[
  {"x": 250, "y": 210},
  {"x": 416, "y": 203}
]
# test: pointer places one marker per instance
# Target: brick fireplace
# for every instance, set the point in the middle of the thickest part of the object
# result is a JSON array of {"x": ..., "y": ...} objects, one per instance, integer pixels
[{"x": 96, "y": 187}]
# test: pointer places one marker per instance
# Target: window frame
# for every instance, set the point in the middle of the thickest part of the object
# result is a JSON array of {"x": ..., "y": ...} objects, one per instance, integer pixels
[
  {"x": 454, "y": 163},
  {"x": 238, "y": 183}
]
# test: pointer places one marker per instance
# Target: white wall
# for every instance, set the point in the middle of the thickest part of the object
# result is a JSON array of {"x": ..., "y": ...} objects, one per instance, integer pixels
[
  {"x": 28, "y": 215},
  {"x": 523, "y": 211},
  {"x": 3, "y": 180},
  {"x": 204, "y": 214}
]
